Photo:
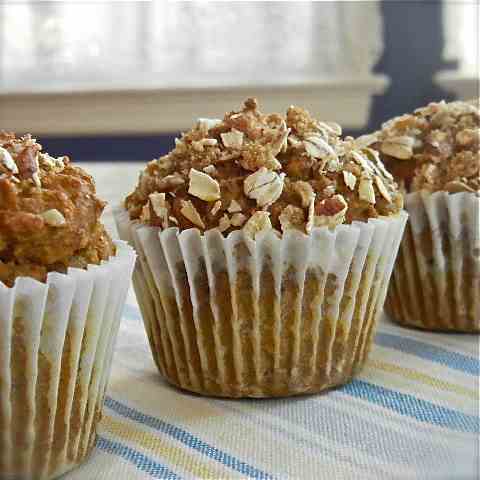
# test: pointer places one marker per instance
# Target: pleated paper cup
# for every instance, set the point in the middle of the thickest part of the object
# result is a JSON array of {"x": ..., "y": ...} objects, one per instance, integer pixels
[
  {"x": 234, "y": 317},
  {"x": 56, "y": 346},
  {"x": 436, "y": 279}
]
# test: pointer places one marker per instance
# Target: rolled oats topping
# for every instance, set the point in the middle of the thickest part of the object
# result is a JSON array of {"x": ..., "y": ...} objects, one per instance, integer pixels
[
  {"x": 264, "y": 186},
  {"x": 254, "y": 172},
  {"x": 435, "y": 148}
]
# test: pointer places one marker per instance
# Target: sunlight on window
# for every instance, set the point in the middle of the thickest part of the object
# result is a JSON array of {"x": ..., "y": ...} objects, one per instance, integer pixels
[
  {"x": 462, "y": 20},
  {"x": 108, "y": 44}
]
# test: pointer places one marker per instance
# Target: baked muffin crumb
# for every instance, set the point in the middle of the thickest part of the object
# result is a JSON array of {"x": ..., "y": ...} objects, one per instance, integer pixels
[{"x": 49, "y": 214}]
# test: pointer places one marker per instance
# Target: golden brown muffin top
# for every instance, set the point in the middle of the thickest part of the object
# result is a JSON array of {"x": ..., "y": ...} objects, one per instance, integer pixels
[
  {"x": 49, "y": 214},
  {"x": 256, "y": 171},
  {"x": 435, "y": 148}
]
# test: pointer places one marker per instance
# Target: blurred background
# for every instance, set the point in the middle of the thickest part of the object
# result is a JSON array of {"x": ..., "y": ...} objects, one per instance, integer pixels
[{"x": 117, "y": 80}]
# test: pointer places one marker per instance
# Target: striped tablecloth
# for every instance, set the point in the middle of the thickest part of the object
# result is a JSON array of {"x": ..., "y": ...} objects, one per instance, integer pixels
[{"x": 412, "y": 413}]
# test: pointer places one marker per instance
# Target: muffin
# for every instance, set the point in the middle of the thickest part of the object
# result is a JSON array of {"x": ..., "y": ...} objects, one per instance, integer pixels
[
  {"x": 62, "y": 286},
  {"x": 265, "y": 243},
  {"x": 434, "y": 155}
]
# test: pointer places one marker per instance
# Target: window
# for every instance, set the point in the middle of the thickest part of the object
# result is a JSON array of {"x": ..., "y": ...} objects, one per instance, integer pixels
[
  {"x": 57, "y": 45},
  {"x": 131, "y": 60}
]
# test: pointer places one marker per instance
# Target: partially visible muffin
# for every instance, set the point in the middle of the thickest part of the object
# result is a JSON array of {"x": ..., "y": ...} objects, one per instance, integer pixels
[
  {"x": 63, "y": 282},
  {"x": 434, "y": 149},
  {"x": 295, "y": 169},
  {"x": 434, "y": 155},
  {"x": 265, "y": 245},
  {"x": 49, "y": 213}
]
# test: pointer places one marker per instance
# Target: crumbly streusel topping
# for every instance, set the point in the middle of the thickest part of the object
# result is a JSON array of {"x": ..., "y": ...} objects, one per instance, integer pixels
[
  {"x": 256, "y": 171},
  {"x": 435, "y": 148},
  {"x": 49, "y": 214}
]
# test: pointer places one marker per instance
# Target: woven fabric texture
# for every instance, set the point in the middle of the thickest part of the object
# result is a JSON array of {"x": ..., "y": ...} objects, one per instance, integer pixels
[{"x": 412, "y": 413}]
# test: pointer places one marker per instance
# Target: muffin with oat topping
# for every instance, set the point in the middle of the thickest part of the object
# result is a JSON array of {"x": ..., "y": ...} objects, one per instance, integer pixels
[
  {"x": 434, "y": 155},
  {"x": 62, "y": 287},
  {"x": 265, "y": 245}
]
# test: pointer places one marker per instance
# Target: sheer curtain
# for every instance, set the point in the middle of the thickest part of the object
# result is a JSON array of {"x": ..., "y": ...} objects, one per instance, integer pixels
[
  {"x": 462, "y": 39},
  {"x": 108, "y": 45}
]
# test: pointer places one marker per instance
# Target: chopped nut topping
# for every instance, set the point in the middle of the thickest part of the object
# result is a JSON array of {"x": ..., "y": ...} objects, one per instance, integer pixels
[
  {"x": 224, "y": 223},
  {"x": 203, "y": 186},
  {"x": 232, "y": 139},
  {"x": 280, "y": 144},
  {"x": 382, "y": 189},
  {"x": 317, "y": 147},
  {"x": 210, "y": 169},
  {"x": 290, "y": 166},
  {"x": 350, "y": 179},
  {"x": 234, "y": 207},
  {"x": 292, "y": 218},
  {"x": 171, "y": 181},
  {"x": 305, "y": 191},
  {"x": 365, "y": 190},
  {"x": 53, "y": 218},
  {"x": 27, "y": 163},
  {"x": 145, "y": 213},
  {"x": 189, "y": 211},
  {"x": 205, "y": 142},
  {"x": 51, "y": 162},
  {"x": 264, "y": 186},
  {"x": 160, "y": 208},
  {"x": 258, "y": 222},
  {"x": 257, "y": 156},
  {"x": 238, "y": 219},
  {"x": 180, "y": 146},
  {"x": 468, "y": 136},
  {"x": 331, "y": 212},
  {"x": 7, "y": 160},
  {"x": 398, "y": 147},
  {"x": 294, "y": 140},
  {"x": 311, "y": 215},
  {"x": 456, "y": 186},
  {"x": 205, "y": 124},
  {"x": 361, "y": 160},
  {"x": 366, "y": 140},
  {"x": 331, "y": 127},
  {"x": 376, "y": 163},
  {"x": 216, "y": 207}
]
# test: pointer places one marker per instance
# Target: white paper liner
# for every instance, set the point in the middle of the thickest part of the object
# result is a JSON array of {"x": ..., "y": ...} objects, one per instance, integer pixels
[
  {"x": 56, "y": 350},
  {"x": 277, "y": 316},
  {"x": 436, "y": 279}
]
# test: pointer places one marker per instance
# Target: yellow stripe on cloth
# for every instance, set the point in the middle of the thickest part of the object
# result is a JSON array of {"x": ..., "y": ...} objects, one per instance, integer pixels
[
  {"x": 160, "y": 448},
  {"x": 415, "y": 375}
]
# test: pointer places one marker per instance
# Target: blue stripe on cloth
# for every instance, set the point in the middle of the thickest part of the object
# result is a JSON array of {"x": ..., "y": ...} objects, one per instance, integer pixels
[
  {"x": 187, "y": 439},
  {"x": 344, "y": 426},
  {"x": 330, "y": 425},
  {"x": 457, "y": 361},
  {"x": 411, "y": 406},
  {"x": 142, "y": 462}
]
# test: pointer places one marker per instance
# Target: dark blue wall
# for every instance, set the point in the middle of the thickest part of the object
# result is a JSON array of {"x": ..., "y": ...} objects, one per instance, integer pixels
[{"x": 413, "y": 40}]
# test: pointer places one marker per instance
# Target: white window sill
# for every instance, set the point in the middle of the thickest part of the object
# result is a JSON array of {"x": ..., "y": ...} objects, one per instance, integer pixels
[
  {"x": 464, "y": 85},
  {"x": 149, "y": 109}
]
